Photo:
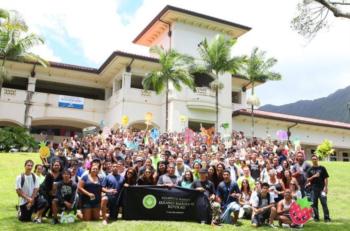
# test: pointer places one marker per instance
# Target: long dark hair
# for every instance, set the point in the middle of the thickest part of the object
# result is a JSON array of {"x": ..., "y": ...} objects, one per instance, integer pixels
[
  {"x": 214, "y": 178},
  {"x": 248, "y": 186},
  {"x": 145, "y": 180},
  {"x": 184, "y": 176},
  {"x": 131, "y": 180}
]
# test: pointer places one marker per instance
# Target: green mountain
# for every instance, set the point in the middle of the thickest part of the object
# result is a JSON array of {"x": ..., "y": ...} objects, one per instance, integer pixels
[{"x": 335, "y": 107}]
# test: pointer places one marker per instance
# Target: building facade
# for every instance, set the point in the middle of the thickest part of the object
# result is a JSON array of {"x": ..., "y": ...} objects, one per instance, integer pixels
[{"x": 63, "y": 99}]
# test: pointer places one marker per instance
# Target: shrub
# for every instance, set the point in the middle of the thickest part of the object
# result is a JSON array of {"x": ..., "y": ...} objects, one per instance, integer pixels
[{"x": 15, "y": 137}]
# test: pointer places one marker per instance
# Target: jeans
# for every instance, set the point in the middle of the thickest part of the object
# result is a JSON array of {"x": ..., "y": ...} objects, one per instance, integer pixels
[
  {"x": 226, "y": 216},
  {"x": 315, "y": 195}
]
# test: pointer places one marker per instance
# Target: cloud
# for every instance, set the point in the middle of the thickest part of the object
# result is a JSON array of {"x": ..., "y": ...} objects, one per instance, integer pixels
[{"x": 310, "y": 70}]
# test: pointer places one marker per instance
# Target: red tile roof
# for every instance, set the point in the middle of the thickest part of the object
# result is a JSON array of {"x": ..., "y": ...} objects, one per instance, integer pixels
[{"x": 292, "y": 118}]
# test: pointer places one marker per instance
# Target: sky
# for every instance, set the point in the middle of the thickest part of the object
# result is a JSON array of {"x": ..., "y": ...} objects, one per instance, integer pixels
[{"x": 86, "y": 32}]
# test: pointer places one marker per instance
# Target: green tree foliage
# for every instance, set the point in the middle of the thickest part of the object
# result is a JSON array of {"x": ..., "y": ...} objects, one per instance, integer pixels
[
  {"x": 216, "y": 59},
  {"x": 175, "y": 69},
  {"x": 324, "y": 149},
  {"x": 15, "y": 137}
]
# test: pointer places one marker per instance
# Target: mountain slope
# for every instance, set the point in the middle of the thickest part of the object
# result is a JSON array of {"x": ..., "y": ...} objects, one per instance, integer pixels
[{"x": 335, "y": 107}]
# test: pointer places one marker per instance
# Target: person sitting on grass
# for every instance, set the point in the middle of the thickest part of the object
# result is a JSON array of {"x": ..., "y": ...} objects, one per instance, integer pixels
[
  {"x": 283, "y": 210},
  {"x": 66, "y": 192},
  {"x": 263, "y": 207},
  {"x": 27, "y": 187},
  {"x": 244, "y": 201},
  {"x": 228, "y": 195}
]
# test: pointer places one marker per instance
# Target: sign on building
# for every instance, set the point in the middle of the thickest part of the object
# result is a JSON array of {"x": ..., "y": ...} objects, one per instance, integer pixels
[{"x": 71, "y": 102}]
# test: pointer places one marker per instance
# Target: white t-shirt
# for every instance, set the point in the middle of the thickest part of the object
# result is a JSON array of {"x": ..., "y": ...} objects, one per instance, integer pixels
[
  {"x": 28, "y": 186},
  {"x": 264, "y": 202}
]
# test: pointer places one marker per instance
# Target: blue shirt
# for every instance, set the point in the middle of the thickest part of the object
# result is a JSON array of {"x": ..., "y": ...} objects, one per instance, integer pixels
[
  {"x": 113, "y": 182},
  {"x": 225, "y": 190}
]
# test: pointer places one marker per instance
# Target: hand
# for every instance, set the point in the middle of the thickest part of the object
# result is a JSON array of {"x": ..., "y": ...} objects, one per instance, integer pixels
[
  {"x": 325, "y": 190},
  {"x": 212, "y": 197},
  {"x": 68, "y": 205},
  {"x": 92, "y": 196},
  {"x": 30, "y": 200},
  {"x": 200, "y": 189},
  {"x": 126, "y": 185},
  {"x": 113, "y": 191},
  {"x": 29, "y": 205},
  {"x": 316, "y": 175}
]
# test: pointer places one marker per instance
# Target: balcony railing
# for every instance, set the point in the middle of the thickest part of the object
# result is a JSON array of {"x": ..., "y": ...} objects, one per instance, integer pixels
[{"x": 204, "y": 91}]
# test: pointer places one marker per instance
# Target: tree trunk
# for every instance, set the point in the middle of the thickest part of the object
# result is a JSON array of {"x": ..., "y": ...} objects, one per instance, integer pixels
[
  {"x": 252, "y": 113},
  {"x": 217, "y": 109},
  {"x": 1, "y": 82},
  {"x": 166, "y": 106}
]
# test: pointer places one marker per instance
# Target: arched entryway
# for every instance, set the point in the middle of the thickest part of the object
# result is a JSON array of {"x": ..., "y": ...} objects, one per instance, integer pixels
[
  {"x": 56, "y": 129},
  {"x": 141, "y": 125}
]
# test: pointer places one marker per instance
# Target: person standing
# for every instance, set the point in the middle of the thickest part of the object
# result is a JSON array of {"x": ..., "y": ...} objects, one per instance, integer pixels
[
  {"x": 112, "y": 185},
  {"x": 27, "y": 187},
  {"x": 317, "y": 177}
]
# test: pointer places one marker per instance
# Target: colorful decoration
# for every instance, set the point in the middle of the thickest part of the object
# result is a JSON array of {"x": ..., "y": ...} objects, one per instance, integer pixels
[
  {"x": 67, "y": 218},
  {"x": 225, "y": 125},
  {"x": 44, "y": 151},
  {"x": 183, "y": 118},
  {"x": 149, "y": 117},
  {"x": 154, "y": 133},
  {"x": 300, "y": 211},
  {"x": 125, "y": 120},
  {"x": 324, "y": 149},
  {"x": 282, "y": 135},
  {"x": 188, "y": 136},
  {"x": 208, "y": 134}
]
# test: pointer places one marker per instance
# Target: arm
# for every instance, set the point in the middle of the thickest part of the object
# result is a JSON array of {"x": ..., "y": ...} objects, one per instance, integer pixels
[
  {"x": 280, "y": 208},
  {"x": 325, "y": 189},
  {"x": 82, "y": 190}
]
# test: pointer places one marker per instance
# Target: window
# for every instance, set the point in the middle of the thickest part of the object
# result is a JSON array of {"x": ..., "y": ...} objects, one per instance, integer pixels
[
  {"x": 71, "y": 90},
  {"x": 236, "y": 97},
  {"x": 136, "y": 82},
  {"x": 18, "y": 83},
  {"x": 333, "y": 157},
  {"x": 345, "y": 157},
  {"x": 202, "y": 80}
]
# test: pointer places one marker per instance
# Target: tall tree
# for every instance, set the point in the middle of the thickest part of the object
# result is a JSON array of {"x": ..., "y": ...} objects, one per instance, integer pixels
[
  {"x": 175, "y": 69},
  {"x": 257, "y": 68},
  {"x": 16, "y": 42},
  {"x": 313, "y": 15},
  {"x": 216, "y": 60}
]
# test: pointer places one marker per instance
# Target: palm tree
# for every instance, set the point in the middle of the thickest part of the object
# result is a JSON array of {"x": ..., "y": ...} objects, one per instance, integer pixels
[
  {"x": 15, "y": 42},
  {"x": 217, "y": 59},
  {"x": 175, "y": 69},
  {"x": 258, "y": 69}
]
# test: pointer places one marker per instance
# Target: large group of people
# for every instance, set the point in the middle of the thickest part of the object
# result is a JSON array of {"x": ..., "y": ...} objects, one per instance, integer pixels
[{"x": 243, "y": 178}]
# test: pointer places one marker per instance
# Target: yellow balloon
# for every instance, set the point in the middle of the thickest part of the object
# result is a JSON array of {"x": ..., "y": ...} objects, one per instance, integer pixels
[
  {"x": 183, "y": 118},
  {"x": 148, "y": 116},
  {"x": 125, "y": 120}
]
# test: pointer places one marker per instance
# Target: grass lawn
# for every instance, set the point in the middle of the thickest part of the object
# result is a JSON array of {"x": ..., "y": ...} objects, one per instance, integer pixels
[{"x": 11, "y": 165}]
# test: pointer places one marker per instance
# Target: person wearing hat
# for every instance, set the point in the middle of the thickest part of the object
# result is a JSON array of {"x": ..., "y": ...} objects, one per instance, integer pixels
[{"x": 207, "y": 187}]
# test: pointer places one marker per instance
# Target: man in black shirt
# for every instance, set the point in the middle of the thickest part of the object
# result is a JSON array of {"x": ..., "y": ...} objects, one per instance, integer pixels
[
  {"x": 317, "y": 178},
  {"x": 65, "y": 195},
  {"x": 254, "y": 166},
  {"x": 207, "y": 187}
]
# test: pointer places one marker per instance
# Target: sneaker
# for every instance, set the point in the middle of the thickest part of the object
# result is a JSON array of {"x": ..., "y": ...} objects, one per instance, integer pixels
[
  {"x": 104, "y": 222},
  {"x": 316, "y": 219},
  {"x": 272, "y": 226},
  {"x": 55, "y": 221},
  {"x": 255, "y": 225},
  {"x": 327, "y": 220},
  {"x": 37, "y": 221},
  {"x": 285, "y": 226}
]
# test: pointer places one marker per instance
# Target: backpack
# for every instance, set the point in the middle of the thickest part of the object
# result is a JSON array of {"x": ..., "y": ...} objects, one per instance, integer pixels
[{"x": 23, "y": 179}]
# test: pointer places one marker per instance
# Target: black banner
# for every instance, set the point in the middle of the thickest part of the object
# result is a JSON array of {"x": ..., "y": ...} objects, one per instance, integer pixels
[{"x": 162, "y": 203}]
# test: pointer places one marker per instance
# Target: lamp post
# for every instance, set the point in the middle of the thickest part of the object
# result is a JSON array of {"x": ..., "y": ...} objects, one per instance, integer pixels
[{"x": 253, "y": 100}]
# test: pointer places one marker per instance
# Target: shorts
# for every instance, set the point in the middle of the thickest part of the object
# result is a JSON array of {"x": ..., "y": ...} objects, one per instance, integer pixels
[
  {"x": 25, "y": 214},
  {"x": 91, "y": 204}
]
